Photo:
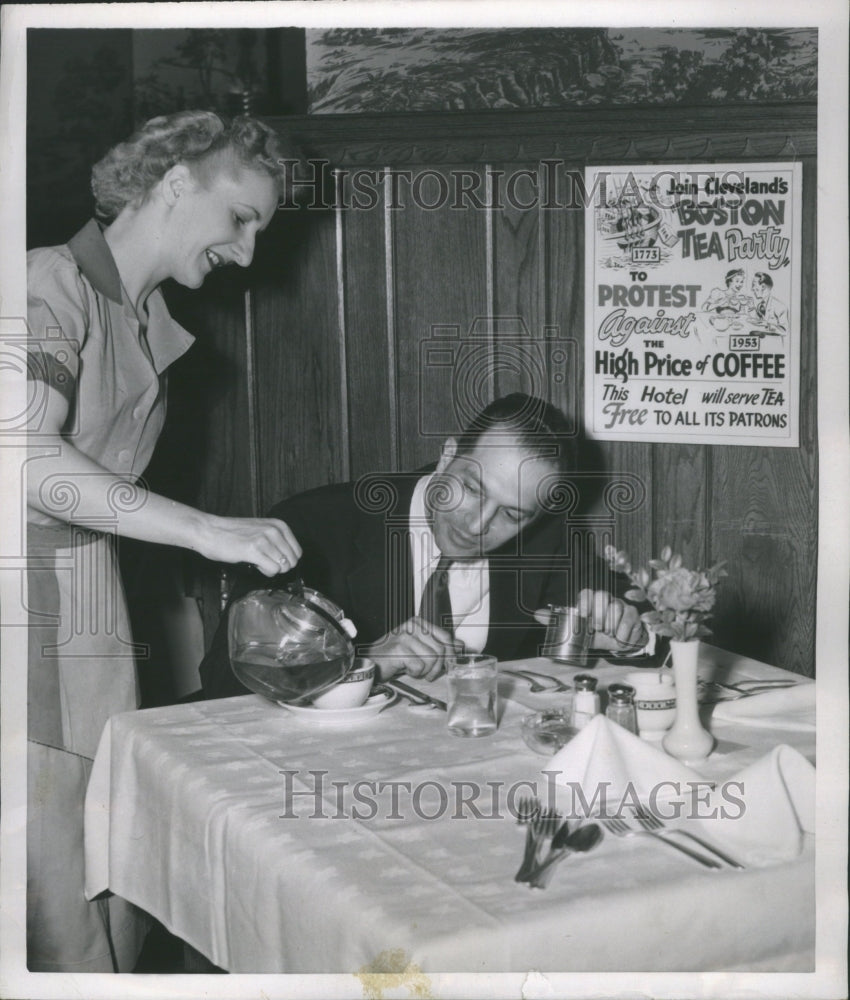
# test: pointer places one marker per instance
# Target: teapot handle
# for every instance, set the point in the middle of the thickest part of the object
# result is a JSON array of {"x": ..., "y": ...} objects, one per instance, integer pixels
[{"x": 297, "y": 590}]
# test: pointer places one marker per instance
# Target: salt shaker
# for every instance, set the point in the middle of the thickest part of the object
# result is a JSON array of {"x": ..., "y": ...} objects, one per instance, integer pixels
[
  {"x": 621, "y": 706},
  {"x": 585, "y": 701}
]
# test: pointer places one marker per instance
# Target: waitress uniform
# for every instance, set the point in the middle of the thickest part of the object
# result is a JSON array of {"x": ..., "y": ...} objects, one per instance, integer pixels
[{"x": 86, "y": 342}]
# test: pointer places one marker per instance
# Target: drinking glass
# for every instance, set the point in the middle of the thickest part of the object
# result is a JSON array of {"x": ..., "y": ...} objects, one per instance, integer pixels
[{"x": 473, "y": 694}]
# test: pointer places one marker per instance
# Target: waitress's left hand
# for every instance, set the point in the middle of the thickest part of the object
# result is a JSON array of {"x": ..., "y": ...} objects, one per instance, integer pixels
[{"x": 265, "y": 542}]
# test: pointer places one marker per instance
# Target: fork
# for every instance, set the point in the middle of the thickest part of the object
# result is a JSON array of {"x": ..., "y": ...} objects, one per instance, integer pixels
[
  {"x": 536, "y": 687},
  {"x": 707, "y": 696},
  {"x": 652, "y": 822},
  {"x": 622, "y": 829},
  {"x": 751, "y": 686},
  {"x": 542, "y": 828}
]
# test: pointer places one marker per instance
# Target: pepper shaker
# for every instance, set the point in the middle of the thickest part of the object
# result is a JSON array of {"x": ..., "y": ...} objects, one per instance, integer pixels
[
  {"x": 621, "y": 707},
  {"x": 585, "y": 701}
]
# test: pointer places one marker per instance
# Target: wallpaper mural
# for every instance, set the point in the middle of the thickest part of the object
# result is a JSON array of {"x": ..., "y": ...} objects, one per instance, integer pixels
[
  {"x": 219, "y": 69},
  {"x": 409, "y": 69},
  {"x": 88, "y": 87}
]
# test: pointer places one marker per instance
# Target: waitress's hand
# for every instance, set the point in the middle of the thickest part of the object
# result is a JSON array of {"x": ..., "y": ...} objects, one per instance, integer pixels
[{"x": 263, "y": 541}]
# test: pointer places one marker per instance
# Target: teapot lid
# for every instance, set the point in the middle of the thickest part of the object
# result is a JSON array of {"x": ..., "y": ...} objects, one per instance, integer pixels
[
  {"x": 294, "y": 611},
  {"x": 309, "y": 610}
]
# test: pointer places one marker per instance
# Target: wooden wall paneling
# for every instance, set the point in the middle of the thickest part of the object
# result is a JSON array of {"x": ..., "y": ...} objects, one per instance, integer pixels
[
  {"x": 440, "y": 299},
  {"x": 764, "y": 511},
  {"x": 520, "y": 362},
  {"x": 616, "y": 489},
  {"x": 760, "y": 526},
  {"x": 680, "y": 517},
  {"x": 300, "y": 352},
  {"x": 758, "y": 506},
  {"x": 202, "y": 458},
  {"x": 581, "y": 135},
  {"x": 628, "y": 497},
  {"x": 370, "y": 333},
  {"x": 562, "y": 295}
]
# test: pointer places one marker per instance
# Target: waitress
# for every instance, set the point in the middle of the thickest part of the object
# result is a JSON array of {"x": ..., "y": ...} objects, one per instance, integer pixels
[{"x": 186, "y": 194}]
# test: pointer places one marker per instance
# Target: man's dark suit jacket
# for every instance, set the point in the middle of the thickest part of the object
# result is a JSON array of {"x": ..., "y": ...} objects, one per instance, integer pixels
[{"x": 356, "y": 549}]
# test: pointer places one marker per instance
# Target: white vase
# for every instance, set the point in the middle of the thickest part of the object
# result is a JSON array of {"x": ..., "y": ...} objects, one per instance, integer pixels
[{"x": 687, "y": 740}]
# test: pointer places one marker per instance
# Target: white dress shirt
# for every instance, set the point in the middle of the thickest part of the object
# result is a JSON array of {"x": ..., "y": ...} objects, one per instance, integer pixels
[{"x": 469, "y": 582}]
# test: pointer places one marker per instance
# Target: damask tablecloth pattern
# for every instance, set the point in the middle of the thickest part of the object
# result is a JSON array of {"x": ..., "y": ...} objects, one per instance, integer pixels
[{"x": 244, "y": 830}]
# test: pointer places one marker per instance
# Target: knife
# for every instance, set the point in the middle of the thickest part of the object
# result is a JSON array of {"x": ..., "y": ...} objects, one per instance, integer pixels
[
  {"x": 708, "y": 847},
  {"x": 424, "y": 699}
]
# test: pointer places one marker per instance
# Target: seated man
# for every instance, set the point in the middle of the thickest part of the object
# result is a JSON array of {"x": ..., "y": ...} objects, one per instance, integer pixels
[{"x": 428, "y": 563}]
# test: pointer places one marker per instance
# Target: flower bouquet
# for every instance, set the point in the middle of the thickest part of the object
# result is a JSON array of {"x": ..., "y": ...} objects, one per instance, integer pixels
[{"x": 682, "y": 598}]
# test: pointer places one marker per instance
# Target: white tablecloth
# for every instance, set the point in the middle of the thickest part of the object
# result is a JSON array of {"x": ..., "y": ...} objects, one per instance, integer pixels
[{"x": 189, "y": 817}]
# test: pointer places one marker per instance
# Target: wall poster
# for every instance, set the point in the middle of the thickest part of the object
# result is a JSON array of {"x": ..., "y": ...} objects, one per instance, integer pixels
[{"x": 693, "y": 303}]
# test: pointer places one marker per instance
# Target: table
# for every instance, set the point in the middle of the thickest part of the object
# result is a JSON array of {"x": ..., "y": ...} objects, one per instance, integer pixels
[{"x": 256, "y": 837}]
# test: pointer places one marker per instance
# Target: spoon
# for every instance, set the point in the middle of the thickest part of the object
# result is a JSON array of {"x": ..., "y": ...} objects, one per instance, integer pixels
[{"x": 584, "y": 839}]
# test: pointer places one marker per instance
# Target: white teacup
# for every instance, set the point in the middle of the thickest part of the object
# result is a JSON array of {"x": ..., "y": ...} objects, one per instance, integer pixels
[
  {"x": 655, "y": 701},
  {"x": 352, "y": 691}
]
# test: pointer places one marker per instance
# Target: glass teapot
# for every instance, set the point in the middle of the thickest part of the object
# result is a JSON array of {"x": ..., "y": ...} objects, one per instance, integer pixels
[{"x": 289, "y": 644}]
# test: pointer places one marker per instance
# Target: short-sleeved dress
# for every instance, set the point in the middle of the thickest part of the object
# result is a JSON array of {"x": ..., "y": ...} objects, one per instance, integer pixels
[{"x": 86, "y": 342}]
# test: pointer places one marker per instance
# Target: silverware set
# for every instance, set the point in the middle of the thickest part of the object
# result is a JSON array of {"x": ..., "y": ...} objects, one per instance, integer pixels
[
  {"x": 650, "y": 825},
  {"x": 579, "y": 841},
  {"x": 542, "y": 826},
  {"x": 414, "y": 695},
  {"x": 550, "y": 839},
  {"x": 715, "y": 691},
  {"x": 710, "y": 691}
]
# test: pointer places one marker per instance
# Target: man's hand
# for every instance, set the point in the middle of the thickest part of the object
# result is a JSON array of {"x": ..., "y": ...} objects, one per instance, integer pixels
[
  {"x": 615, "y": 623},
  {"x": 416, "y": 647}
]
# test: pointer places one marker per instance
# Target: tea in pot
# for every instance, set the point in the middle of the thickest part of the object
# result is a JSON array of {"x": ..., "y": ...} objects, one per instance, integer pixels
[{"x": 289, "y": 644}]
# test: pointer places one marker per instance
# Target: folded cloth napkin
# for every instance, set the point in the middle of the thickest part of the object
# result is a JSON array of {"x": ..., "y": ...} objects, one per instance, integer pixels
[
  {"x": 606, "y": 766},
  {"x": 760, "y": 815},
  {"x": 784, "y": 708}
]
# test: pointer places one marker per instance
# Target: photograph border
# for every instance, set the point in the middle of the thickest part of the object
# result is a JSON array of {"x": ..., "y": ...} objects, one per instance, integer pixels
[{"x": 831, "y": 18}]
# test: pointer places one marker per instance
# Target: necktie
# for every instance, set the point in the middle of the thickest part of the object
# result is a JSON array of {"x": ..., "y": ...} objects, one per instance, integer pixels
[
  {"x": 436, "y": 603},
  {"x": 761, "y": 310}
]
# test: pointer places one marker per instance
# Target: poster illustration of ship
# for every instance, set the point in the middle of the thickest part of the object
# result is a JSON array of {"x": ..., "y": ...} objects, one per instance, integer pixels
[{"x": 693, "y": 303}]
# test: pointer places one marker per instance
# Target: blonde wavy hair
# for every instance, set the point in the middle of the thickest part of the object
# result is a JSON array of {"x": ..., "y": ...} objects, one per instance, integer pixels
[{"x": 200, "y": 139}]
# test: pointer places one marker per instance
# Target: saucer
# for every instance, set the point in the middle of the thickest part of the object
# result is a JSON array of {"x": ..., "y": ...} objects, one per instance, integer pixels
[
  {"x": 584, "y": 659},
  {"x": 372, "y": 707},
  {"x": 635, "y": 660}
]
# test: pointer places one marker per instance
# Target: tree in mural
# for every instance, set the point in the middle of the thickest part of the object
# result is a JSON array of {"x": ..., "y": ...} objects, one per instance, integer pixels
[
  {"x": 211, "y": 69},
  {"x": 402, "y": 69},
  {"x": 412, "y": 70},
  {"x": 758, "y": 65}
]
